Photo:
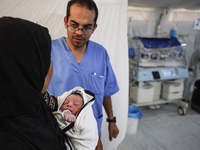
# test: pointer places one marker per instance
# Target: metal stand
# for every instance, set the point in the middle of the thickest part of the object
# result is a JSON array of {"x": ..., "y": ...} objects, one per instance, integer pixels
[{"x": 181, "y": 109}]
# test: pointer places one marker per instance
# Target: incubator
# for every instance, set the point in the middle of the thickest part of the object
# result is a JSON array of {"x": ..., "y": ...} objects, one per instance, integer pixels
[
  {"x": 157, "y": 59},
  {"x": 157, "y": 69}
]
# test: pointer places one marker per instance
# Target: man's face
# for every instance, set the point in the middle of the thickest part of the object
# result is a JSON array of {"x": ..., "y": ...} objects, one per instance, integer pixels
[{"x": 80, "y": 17}]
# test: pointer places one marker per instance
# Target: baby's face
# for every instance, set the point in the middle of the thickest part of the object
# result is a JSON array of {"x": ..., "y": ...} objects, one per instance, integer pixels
[{"x": 72, "y": 103}]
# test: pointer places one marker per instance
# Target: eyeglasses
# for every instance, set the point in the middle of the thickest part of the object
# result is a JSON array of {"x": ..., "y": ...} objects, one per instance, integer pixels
[{"x": 74, "y": 28}]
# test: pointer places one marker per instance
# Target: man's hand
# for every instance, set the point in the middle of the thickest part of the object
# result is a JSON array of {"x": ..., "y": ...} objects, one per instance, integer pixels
[
  {"x": 113, "y": 130},
  {"x": 112, "y": 127}
]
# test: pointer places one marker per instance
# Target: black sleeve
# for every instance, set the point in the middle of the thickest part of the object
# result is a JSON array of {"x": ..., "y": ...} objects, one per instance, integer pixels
[{"x": 51, "y": 101}]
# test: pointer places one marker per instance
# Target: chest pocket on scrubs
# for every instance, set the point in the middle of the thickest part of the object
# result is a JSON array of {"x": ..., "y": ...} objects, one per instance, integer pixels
[{"x": 96, "y": 83}]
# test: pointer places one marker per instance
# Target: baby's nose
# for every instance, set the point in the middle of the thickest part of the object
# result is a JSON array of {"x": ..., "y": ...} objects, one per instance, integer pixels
[{"x": 69, "y": 104}]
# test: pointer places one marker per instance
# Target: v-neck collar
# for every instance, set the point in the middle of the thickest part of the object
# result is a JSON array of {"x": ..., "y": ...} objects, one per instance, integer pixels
[{"x": 83, "y": 63}]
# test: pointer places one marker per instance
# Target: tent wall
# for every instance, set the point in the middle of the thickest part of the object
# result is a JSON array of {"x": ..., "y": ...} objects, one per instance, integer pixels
[{"x": 111, "y": 33}]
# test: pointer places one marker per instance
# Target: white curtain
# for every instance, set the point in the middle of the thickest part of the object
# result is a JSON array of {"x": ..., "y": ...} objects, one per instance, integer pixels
[{"x": 111, "y": 33}]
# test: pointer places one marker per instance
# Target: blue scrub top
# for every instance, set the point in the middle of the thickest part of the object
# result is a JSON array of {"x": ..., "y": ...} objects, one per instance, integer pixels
[{"x": 93, "y": 73}]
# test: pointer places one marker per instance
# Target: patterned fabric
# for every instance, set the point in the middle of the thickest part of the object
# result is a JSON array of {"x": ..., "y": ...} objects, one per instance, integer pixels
[{"x": 51, "y": 101}]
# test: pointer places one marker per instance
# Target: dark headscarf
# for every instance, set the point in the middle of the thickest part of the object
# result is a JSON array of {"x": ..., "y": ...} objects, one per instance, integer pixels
[
  {"x": 25, "y": 120},
  {"x": 24, "y": 62}
]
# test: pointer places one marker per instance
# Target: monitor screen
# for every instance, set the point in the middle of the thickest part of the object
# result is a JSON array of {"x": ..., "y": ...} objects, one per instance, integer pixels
[{"x": 168, "y": 73}]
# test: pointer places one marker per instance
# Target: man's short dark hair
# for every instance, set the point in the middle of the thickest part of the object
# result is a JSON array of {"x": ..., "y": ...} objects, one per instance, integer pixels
[{"x": 90, "y": 4}]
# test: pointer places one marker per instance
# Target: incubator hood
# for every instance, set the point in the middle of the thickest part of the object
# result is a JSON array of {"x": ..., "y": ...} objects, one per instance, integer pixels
[{"x": 157, "y": 52}]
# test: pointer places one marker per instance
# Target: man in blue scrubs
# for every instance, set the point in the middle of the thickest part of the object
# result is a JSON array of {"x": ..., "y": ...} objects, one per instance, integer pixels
[{"x": 77, "y": 61}]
